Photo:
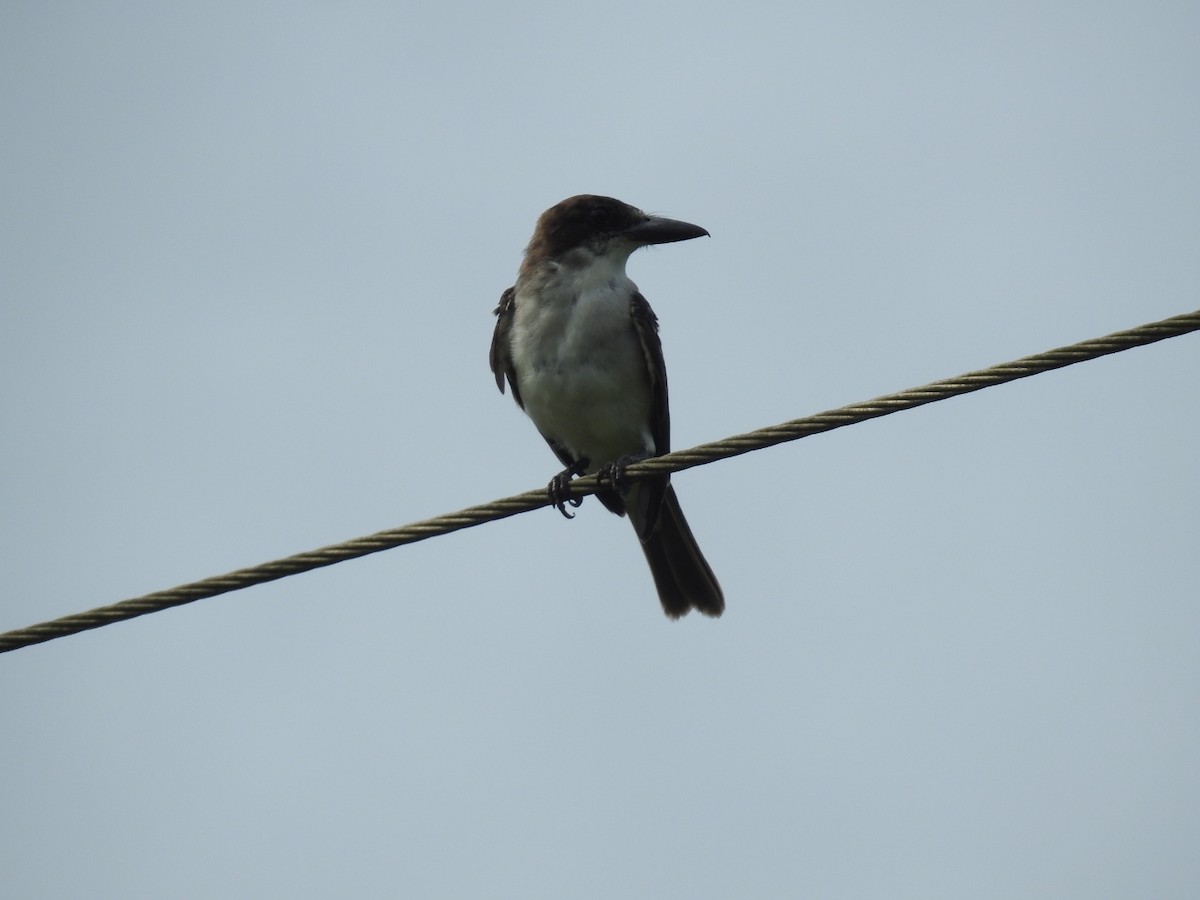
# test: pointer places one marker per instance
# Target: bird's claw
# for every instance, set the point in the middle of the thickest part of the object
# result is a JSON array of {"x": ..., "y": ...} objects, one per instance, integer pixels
[
  {"x": 559, "y": 490},
  {"x": 613, "y": 473}
]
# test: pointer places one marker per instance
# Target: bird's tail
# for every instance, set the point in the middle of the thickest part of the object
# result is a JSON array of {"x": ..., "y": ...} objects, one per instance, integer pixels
[{"x": 681, "y": 573}]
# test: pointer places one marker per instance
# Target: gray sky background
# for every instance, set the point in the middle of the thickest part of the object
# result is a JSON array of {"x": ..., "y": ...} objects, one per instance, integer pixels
[{"x": 249, "y": 258}]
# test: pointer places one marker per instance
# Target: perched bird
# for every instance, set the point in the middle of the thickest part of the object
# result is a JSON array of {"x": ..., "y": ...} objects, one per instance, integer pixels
[{"x": 578, "y": 344}]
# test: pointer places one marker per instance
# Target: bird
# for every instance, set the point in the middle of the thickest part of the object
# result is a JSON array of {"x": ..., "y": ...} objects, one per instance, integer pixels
[{"x": 578, "y": 345}]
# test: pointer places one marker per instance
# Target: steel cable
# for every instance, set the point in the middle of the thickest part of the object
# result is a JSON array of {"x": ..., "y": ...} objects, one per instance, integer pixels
[{"x": 672, "y": 462}]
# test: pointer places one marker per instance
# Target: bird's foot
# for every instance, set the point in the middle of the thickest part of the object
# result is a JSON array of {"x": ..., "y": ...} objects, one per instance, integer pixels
[
  {"x": 559, "y": 488},
  {"x": 613, "y": 473}
]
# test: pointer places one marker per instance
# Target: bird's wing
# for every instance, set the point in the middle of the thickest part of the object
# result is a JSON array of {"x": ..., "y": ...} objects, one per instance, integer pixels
[
  {"x": 500, "y": 356},
  {"x": 645, "y": 324},
  {"x": 645, "y": 502}
]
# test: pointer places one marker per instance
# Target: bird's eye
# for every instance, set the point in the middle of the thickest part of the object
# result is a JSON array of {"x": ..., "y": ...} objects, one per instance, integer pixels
[{"x": 602, "y": 216}]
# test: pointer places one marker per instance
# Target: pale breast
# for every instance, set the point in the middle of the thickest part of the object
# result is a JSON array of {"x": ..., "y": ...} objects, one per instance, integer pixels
[{"x": 581, "y": 371}]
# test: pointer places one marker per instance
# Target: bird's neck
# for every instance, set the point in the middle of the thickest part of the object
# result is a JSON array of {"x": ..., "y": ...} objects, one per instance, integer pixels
[{"x": 578, "y": 275}]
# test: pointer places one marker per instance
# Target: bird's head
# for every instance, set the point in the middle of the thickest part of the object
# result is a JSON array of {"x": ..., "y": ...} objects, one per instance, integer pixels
[{"x": 602, "y": 226}]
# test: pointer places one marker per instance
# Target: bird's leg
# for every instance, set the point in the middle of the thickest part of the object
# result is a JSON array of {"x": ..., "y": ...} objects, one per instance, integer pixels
[
  {"x": 559, "y": 488},
  {"x": 614, "y": 472}
]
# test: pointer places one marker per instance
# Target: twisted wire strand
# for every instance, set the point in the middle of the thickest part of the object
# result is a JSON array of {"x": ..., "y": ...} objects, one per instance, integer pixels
[{"x": 672, "y": 462}]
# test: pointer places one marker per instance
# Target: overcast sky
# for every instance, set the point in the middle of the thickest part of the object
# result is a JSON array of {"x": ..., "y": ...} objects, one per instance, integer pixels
[{"x": 250, "y": 254}]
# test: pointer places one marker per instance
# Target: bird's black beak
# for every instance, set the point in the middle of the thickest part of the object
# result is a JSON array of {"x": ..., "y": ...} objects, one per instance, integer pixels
[{"x": 657, "y": 230}]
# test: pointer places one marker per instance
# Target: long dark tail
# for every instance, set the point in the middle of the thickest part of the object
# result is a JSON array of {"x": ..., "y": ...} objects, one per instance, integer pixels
[{"x": 681, "y": 573}]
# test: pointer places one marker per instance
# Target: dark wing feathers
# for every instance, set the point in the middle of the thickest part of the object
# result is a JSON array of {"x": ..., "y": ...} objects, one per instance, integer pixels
[
  {"x": 645, "y": 323},
  {"x": 649, "y": 501},
  {"x": 500, "y": 357}
]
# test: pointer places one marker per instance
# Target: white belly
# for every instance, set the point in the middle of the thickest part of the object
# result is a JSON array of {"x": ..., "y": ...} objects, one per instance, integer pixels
[{"x": 582, "y": 373}]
